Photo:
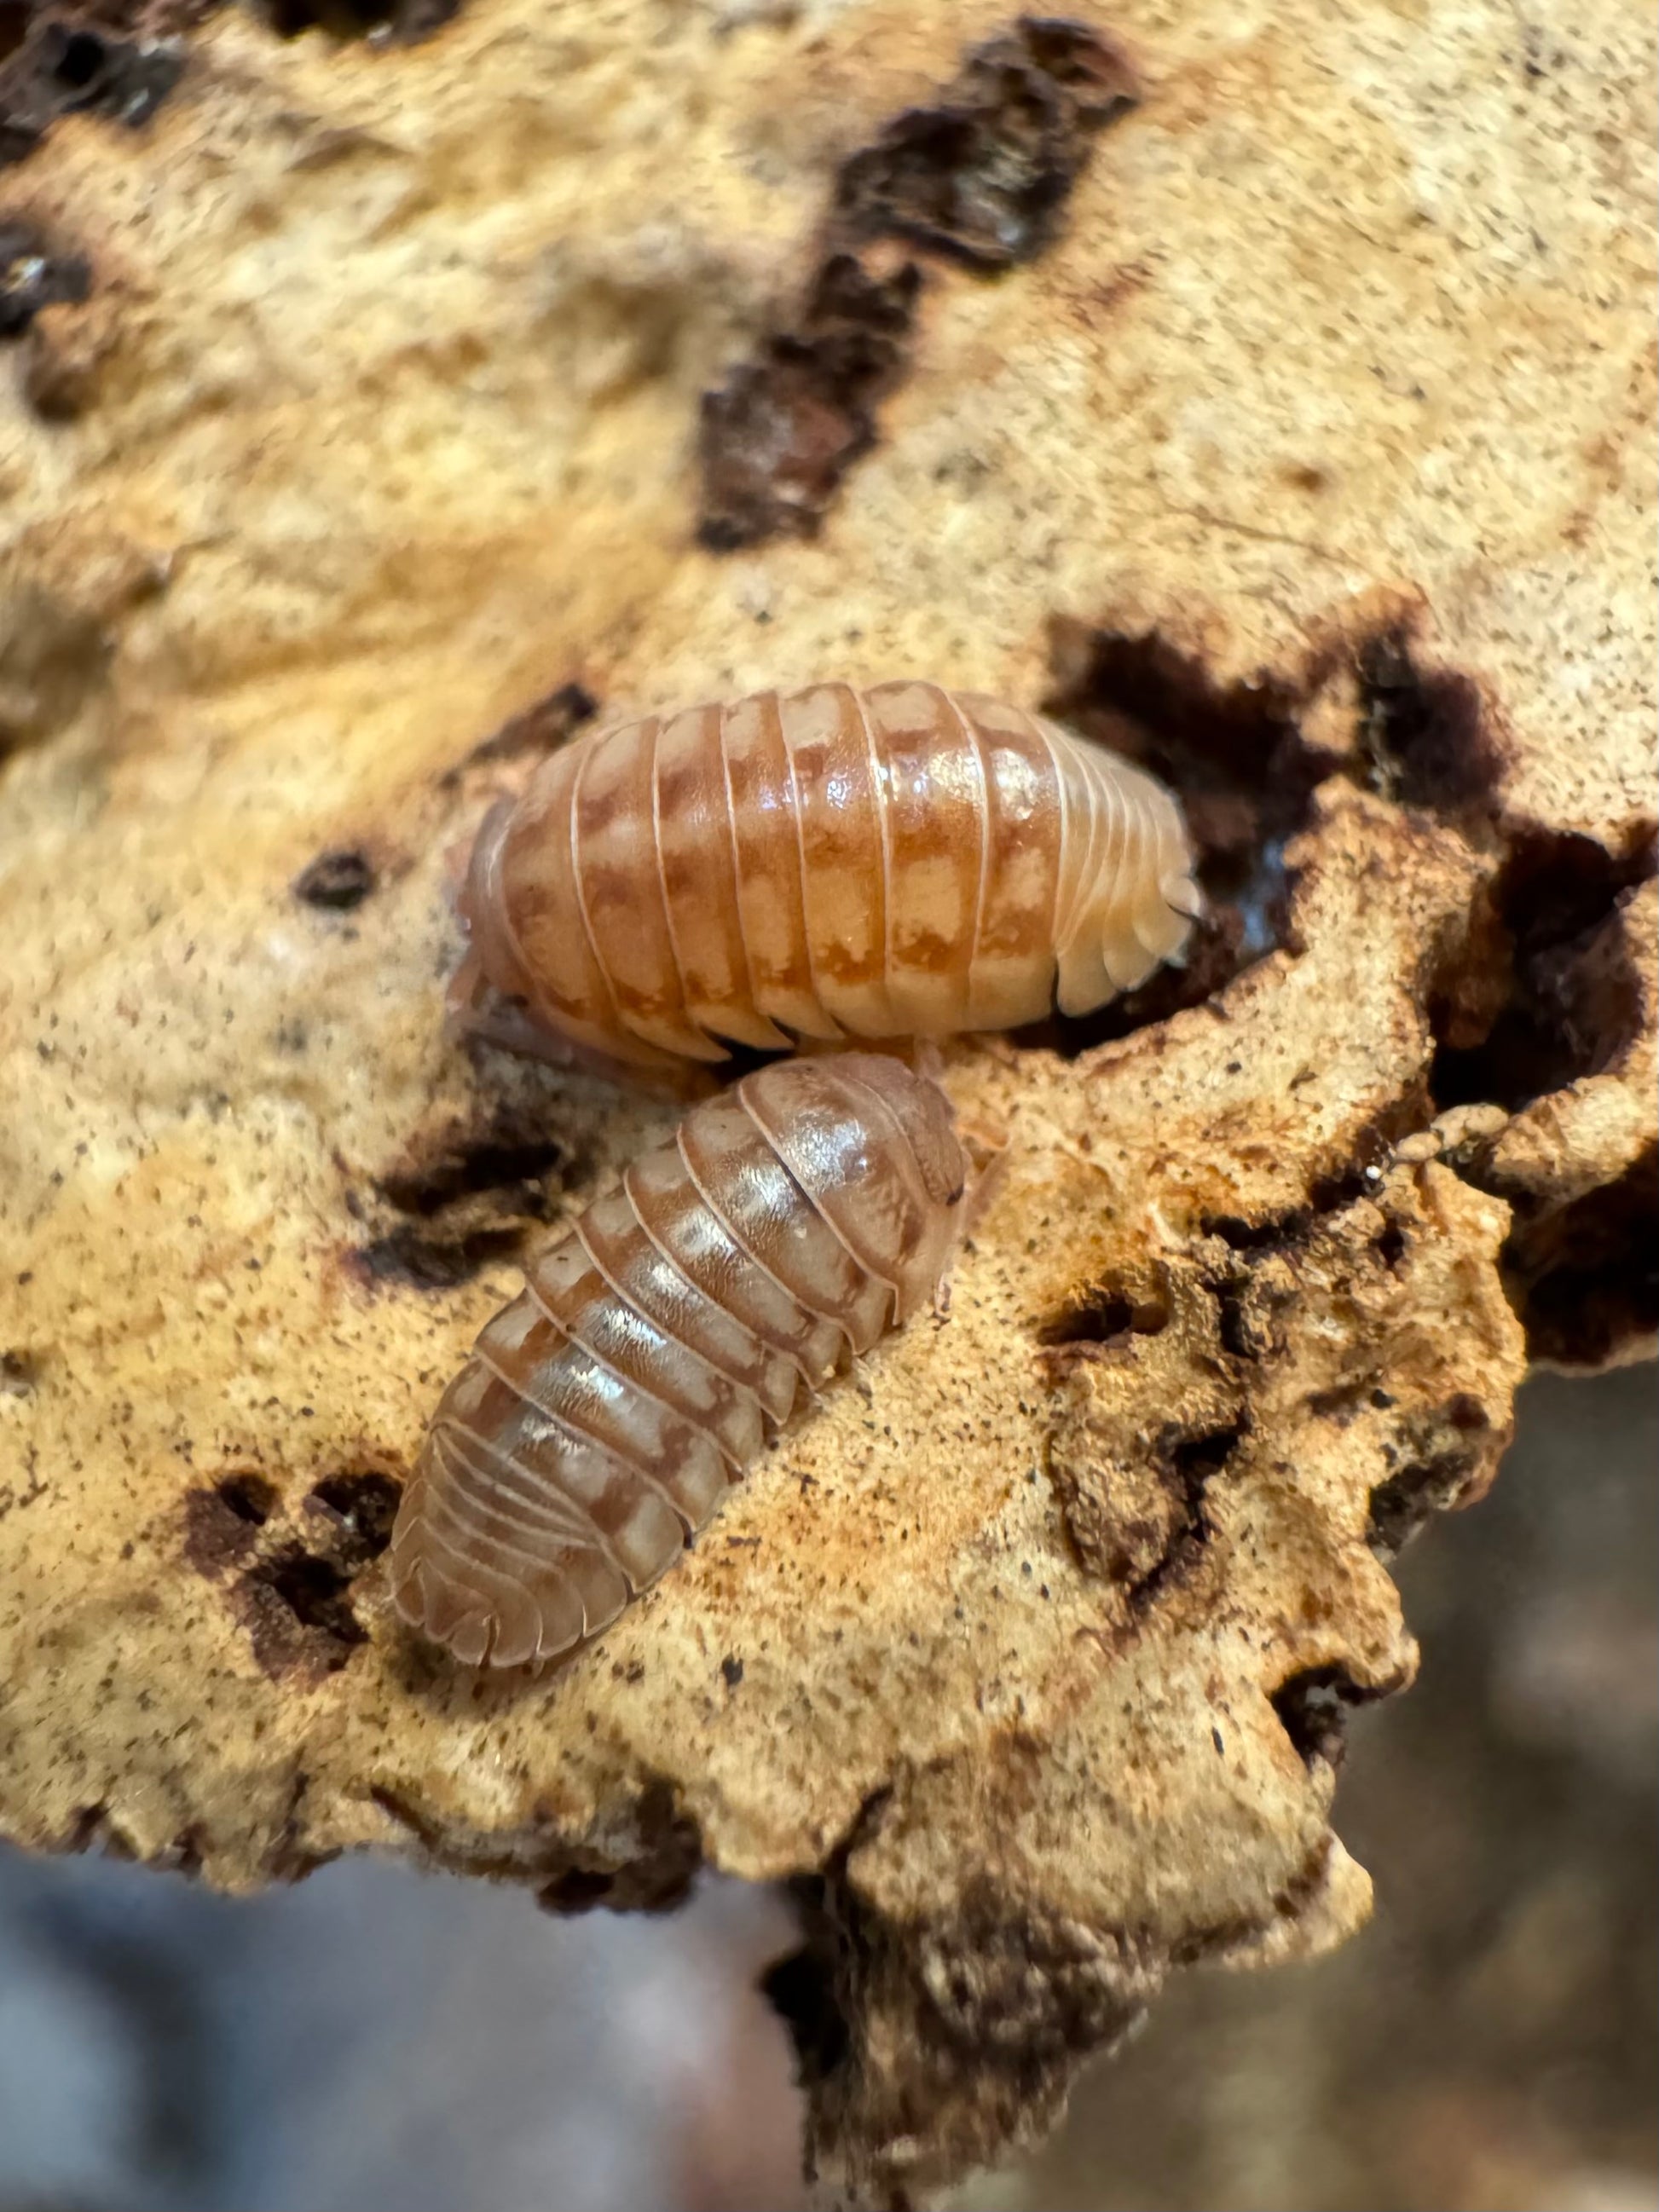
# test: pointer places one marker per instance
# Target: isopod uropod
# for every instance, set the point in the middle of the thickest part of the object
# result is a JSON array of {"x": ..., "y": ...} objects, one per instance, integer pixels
[
  {"x": 898, "y": 862},
  {"x": 657, "y": 1345}
]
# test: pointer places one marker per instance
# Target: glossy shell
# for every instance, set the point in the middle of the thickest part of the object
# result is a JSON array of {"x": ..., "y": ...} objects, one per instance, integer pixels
[
  {"x": 659, "y": 1343},
  {"x": 898, "y": 862}
]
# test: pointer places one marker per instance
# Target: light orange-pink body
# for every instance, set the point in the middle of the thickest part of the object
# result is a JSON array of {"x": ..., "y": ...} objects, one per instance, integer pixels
[
  {"x": 901, "y": 860},
  {"x": 660, "y": 1342}
]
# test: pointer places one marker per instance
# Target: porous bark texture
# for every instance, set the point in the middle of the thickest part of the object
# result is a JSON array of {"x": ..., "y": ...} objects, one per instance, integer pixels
[{"x": 1267, "y": 393}]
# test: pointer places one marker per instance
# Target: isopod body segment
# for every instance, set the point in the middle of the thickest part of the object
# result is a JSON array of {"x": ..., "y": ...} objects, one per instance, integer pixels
[
  {"x": 899, "y": 861},
  {"x": 663, "y": 1338}
]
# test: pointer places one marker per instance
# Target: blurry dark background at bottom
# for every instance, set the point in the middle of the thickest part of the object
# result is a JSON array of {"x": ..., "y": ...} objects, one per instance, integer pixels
[{"x": 378, "y": 2039}]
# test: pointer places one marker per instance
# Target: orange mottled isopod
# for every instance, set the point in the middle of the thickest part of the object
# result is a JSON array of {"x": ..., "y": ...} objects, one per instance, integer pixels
[
  {"x": 783, "y": 1228},
  {"x": 901, "y": 861}
]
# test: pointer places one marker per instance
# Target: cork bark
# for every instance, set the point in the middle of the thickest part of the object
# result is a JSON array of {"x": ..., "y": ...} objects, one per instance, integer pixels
[{"x": 1269, "y": 396}]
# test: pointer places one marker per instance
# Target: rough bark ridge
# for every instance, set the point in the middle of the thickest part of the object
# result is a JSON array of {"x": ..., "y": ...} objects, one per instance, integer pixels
[{"x": 356, "y": 407}]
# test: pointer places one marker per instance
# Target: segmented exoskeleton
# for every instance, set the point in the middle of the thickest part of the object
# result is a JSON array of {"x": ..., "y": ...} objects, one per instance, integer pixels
[
  {"x": 903, "y": 860},
  {"x": 663, "y": 1338}
]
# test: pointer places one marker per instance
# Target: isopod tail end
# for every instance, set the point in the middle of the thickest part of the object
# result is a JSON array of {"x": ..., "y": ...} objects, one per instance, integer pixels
[
  {"x": 1181, "y": 891},
  {"x": 435, "y": 1608},
  {"x": 1180, "y": 902},
  {"x": 470, "y": 1638},
  {"x": 428, "y": 1599},
  {"x": 1165, "y": 923},
  {"x": 485, "y": 1611}
]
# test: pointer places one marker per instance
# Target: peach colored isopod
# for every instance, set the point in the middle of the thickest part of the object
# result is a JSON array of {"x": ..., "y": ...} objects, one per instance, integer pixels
[
  {"x": 669, "y": 1332},
  {"x": 898, "y": 862}
]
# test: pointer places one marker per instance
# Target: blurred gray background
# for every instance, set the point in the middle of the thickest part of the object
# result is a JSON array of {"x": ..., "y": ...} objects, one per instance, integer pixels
[{"x": 380, "y": 2039}]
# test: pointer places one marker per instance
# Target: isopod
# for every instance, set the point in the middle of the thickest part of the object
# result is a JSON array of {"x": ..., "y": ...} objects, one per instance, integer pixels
[
  {"x": 657, "y": 1344},
  {"x": 903, "y": 860}
]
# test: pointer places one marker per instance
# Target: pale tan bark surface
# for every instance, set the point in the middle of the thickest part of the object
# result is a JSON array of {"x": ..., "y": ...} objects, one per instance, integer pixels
[{"x": 1313, "y": 461}]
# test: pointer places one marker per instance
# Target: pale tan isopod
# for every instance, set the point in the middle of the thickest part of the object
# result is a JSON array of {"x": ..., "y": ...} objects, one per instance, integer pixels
[
  {"x": 660, "y": 1342},
  {"x": 897, "y": 862}
]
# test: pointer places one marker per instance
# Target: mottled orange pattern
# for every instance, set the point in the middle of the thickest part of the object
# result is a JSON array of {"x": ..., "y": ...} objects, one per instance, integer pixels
[
  {"x": 899, "y": 861},
  {"x": 663, "y": 1339}
]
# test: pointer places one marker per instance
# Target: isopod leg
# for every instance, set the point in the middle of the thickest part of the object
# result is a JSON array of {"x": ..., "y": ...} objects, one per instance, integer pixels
[
  {"x": 989, "y": 1149},
  {"x": 477, "y": 1011}
]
